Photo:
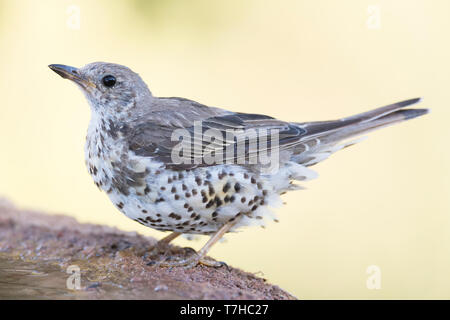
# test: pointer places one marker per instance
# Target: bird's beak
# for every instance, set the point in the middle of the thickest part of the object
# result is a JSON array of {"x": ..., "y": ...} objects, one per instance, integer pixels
[{"x": 71, "y": 73}]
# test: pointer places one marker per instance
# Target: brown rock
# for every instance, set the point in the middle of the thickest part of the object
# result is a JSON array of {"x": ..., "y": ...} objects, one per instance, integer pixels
[{"x": 36, "y": 250}]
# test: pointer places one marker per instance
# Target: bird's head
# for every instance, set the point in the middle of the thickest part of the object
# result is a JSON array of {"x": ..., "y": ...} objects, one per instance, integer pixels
[{"x": 113, "y": 91}]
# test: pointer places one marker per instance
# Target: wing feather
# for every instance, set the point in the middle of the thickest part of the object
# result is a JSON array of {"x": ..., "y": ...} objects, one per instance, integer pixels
[{"x": 303, "y": 141}]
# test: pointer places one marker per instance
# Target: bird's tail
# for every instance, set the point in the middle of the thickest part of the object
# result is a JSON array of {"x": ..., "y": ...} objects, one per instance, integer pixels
[{"x": 326, "y": 137}]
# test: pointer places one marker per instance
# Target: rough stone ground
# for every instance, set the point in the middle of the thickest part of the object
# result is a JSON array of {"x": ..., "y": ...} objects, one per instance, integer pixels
[{"x": 36, "y": 249}]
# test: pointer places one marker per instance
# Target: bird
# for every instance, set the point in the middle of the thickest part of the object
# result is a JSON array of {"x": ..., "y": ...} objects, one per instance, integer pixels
[{"x": 177, "y": 165}]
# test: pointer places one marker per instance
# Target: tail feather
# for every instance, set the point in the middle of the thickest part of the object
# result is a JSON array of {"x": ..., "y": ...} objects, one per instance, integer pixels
[
  {"x": 383, "y": 111},
  {"x": 363, "y": 127},
  {"x": 323, "y": 138}
]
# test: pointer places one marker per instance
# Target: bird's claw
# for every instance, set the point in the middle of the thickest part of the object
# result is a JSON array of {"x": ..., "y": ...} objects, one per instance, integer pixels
[{"x": 192, "y": 261}]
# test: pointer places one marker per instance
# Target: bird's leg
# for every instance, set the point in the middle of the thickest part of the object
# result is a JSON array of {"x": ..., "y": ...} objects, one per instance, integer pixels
[
  {"x": 165, "y": 241},
  {"x": 200, "y": 256},
  {"x": 161, "y": 245}
]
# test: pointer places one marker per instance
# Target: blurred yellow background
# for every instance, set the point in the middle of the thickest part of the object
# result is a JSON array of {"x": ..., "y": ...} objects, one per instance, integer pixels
[{"x": 384, "y": 202}]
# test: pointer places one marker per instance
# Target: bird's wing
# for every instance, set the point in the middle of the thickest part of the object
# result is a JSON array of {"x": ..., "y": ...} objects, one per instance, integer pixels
[
  {"x": 208, "y": 130},
  {"x": 236, "y": 138}
]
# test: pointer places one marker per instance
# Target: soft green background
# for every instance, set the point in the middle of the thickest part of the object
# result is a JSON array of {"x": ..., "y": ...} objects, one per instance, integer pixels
[{"x": 383, "y": 202}]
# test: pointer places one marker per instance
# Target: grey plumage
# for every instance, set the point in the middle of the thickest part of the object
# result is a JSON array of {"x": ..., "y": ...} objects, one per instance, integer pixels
[
  {"x": 147, "y": 122},
  {"x": 151, "y": 138}
]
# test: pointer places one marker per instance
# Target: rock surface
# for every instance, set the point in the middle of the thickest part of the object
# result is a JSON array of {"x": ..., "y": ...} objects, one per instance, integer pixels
[{"x": 40, "y": 256}]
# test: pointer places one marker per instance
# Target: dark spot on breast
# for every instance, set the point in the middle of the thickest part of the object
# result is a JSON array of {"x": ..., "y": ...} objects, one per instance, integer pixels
[
  {"x": 211, "y": 190},
  {"x": 237, "y": 187},
  {"x": 246, "y": 176},
  {"x": 218, "y": 201},
  {"x": 113, "y": 129},
  {"x": 243, "y": 199},
  {"x": 150, "y": 219},
  {"x": 198, "y": 180},
  {"x": 253, "y": 180},
  {"x": 194, "y": 192},
  {"x": 163, "y": 188},
  {"x": 210, "y": 203},
  {"x": 214, "y": 214},
  {"x": 184, "y": 187},
  {"x": 147, "y": 189},
  {"x": 175, "y": 216},
  {"x": 173, "y": 190},
  {"x": 120, "y": 205},
  {"x": 144, "y": 211},
  {"x": 177, "y": 197},
  {"x": 226, "y": 187},
  {"x": 188, "y": 195}
]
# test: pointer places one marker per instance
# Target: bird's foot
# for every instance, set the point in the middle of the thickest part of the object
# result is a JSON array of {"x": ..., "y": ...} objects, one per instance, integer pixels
[
  {"x": 162, "y": 246},
  {"x": 159, "y": 248},
  {"x": 157, "y": 252},
  {"x": 193, "y": 260}
]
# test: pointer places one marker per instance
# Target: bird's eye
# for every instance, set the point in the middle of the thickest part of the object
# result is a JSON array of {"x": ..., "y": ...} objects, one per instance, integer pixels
[{"x": 109, "y": 81}]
